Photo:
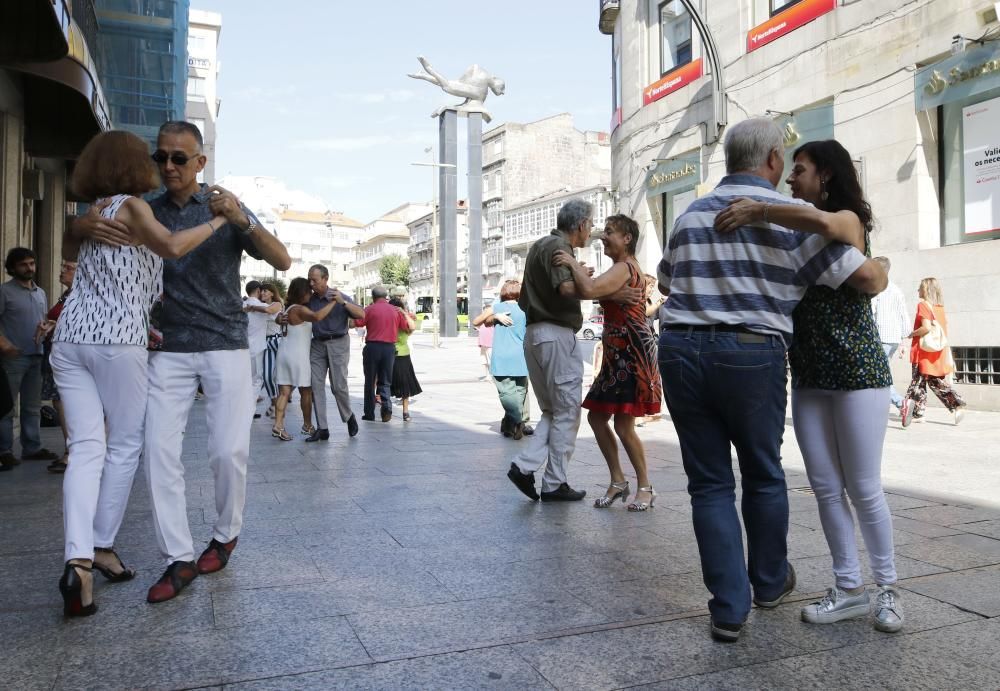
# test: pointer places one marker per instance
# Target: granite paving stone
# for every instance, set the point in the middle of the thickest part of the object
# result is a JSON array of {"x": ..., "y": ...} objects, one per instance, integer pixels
[{"x": 404, "y": 558}]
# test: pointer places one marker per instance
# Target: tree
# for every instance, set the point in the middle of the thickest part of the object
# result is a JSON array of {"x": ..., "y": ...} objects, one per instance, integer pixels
[{"x": 394, "y": 270}]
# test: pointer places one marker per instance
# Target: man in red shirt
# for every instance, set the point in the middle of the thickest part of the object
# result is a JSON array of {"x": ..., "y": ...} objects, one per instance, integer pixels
[{"x": 383, "y": 322}]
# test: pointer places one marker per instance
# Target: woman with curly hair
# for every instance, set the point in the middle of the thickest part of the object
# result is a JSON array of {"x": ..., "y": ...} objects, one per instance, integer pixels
[{"x": 628, "y": 384}]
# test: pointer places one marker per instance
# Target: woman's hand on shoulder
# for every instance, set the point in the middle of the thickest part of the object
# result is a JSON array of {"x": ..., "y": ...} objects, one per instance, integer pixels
[
  {"x": 563, "y": 258},
  {"x": 740, "y": 212}
]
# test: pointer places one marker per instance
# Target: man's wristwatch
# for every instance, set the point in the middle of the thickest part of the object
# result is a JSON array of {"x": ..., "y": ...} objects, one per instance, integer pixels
[{"x": 250, "y": 228}]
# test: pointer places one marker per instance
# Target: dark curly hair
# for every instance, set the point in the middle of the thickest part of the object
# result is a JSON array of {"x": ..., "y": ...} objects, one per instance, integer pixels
[{"x": 842, "y": 184}]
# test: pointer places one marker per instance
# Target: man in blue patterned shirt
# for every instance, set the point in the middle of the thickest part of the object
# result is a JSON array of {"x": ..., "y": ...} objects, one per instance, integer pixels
[{"x": 204, "y": 342}]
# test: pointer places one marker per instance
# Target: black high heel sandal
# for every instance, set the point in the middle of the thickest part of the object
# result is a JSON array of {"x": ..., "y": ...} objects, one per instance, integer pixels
[
  {"x": 126, "y": 574},
  {"x": 71, "y": 587}
]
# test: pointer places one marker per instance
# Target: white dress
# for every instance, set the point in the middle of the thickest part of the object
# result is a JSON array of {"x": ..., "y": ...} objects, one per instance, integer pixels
[{"x": 292, "y": 368}]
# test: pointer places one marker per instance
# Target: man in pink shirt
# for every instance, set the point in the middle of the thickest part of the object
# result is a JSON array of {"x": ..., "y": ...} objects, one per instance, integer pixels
[{"x": 383, "y": 323}]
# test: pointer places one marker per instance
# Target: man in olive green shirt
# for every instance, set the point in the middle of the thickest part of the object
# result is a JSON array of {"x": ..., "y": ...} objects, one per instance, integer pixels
[{"x": 549, "y": 299}]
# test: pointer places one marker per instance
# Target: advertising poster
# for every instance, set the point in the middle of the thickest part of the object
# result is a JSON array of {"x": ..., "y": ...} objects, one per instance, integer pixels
[{"x": 981, "y": 149}]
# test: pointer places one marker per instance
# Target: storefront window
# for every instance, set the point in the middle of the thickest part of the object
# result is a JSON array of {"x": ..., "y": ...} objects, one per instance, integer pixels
[
  {"x": 675, "y": 36},
  {"x": 779, "y": 5},
  {"x": 970, "y": 169}
]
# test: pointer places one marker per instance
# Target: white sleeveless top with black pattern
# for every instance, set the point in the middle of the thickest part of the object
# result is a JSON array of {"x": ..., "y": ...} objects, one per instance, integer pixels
[{"x": 113, "y": 291}]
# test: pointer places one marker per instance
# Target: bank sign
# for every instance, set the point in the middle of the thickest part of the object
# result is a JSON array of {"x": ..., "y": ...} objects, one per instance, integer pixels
[
  {"x": 672, "y": 81},
  {"x": 799, "y": 14},
  {"x": 969, "y": 73}
]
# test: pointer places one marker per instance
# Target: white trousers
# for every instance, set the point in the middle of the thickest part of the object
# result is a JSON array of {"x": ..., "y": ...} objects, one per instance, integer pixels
[
  {"x": 256, "y": 377},
  {"x": 173, "y": 380},
  {"x": 103, "y": 390},
  {"x": 840, "y": 434},
  {"x": 555, "y": 370}
]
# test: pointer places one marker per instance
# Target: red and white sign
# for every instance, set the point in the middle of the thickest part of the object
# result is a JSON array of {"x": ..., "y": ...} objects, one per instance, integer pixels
[
  {"x": 797, "y": 15},
  {"x": 672, "y": 81}
]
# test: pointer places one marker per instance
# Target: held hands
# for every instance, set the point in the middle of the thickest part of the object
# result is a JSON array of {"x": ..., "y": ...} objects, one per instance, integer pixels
[
  {"x": 335, "y": 295},
  {"x": 224, "y": 203},
  {"x": 281, "y": 319},
  {"x": 740, "y": 212},
  {"x": 43, "y": 329}
]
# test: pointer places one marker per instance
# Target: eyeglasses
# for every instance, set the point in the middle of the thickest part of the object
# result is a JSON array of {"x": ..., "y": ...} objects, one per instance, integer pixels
[{"x": 178, "y": 159}]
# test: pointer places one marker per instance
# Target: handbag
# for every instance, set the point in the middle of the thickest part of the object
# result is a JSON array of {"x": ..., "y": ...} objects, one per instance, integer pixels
[{"x": 934, "y": 341}]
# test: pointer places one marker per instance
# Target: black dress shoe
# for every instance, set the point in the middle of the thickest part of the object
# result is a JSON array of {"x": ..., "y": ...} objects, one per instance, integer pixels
[
  {"x": 386, "y": 415},
  {"x": 564, "y": 493},
  {"x": 528, "y": 430},
  {"x": 368, "y": 418},
  {"x": 319, "y": 435},
  {"x": 523, "y": 481},
  {"x": 352, "y": 426}
]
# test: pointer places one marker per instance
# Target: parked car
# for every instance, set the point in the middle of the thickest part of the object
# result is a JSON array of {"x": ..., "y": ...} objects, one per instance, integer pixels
[{"x": 592, "y": 329}]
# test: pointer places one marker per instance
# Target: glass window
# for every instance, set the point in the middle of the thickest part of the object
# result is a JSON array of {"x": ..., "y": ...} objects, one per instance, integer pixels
[
  {"x": 616, "y": 75},
  {"x": 196, "y": 87},
  {"x": 675, "y": 36},
  {"x": 970, "y": 168},
  {"x": 780, "y": 5}
]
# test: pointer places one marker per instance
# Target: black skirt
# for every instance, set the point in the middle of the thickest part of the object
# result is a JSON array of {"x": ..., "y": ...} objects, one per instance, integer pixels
[{"x": 404, "y": 379}]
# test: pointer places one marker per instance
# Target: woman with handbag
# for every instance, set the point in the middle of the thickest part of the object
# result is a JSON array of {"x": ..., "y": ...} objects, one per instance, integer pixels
[
  {"x": 930, "y": 357},
  {"x": 840, "y": 386}
]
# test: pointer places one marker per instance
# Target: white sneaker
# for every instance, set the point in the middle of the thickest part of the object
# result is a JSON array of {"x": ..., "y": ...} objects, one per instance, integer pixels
[
  {"x": 888, "y": 609},
  {"x": 837, "y": 605},
  {"x": 958, "y": 414}
]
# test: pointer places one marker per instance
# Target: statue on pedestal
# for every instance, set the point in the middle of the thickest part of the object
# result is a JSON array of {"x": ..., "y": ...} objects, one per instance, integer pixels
[{"x": 474, "y": 86}]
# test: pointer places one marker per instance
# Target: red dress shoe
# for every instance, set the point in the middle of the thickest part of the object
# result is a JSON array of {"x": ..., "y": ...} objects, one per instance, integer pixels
[
  {"x": 177, "y": 577},
  {"x": 216, "y": 556}
]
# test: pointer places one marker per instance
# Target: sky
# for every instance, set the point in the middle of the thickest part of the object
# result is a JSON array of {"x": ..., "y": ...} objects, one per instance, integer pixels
[{"x": 315, "y": 92}]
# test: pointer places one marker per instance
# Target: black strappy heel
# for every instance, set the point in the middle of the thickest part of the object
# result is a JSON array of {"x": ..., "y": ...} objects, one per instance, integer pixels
[
  {"x": 126, "y": 574},
  {"x": 71, "y": 587}
]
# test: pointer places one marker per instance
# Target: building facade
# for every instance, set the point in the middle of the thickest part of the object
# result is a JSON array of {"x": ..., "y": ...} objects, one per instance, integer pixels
[
  {"x": 312, "y": 233},
  {"x": 525, "y": 162},
  {"x": 917, "y": 111},
  {"x": 202, "y": 101},
  {"x": 388, "y": 234},
  {"x": 143, "y": 47},
  {"x": 51, "y": 103},
  {"x": 422, "y": 252}
]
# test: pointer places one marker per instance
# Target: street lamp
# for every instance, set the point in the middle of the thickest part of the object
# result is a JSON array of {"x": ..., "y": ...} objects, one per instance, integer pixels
[{"x": 435, "y": 311}]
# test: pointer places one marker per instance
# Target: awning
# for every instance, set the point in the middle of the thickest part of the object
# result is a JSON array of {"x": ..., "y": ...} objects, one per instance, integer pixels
[
  {"x": 64, "y": 102},
  {"x": 34, "y": 30}
]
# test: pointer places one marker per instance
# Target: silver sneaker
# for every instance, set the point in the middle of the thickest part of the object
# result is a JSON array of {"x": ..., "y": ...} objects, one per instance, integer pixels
[
  {"x": 888, "y": 610},
  {"x": 837, "y": 605}
]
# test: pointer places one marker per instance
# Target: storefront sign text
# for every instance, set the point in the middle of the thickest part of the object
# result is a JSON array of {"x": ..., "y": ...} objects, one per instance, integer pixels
[
  {"x": 966, "y": 74},
  {"x": 659, "y": 178},
  {"x": 788, "y": 21},
  {"x": 672, "y": 81}
]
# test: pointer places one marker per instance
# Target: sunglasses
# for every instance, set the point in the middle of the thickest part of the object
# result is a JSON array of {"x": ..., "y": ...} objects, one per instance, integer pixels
[{"x": 178, "y": 159}]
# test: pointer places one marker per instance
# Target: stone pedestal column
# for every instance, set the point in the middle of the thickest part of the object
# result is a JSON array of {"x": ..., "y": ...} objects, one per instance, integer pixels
[
  {"x": 448, "y": 223},
  {"x": 475, "y": 192}
]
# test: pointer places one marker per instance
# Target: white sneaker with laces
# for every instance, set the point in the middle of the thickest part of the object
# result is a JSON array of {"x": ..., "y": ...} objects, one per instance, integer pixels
[
  {"x": 888, "y": 610},
  {"x": 837, "y": 605}
]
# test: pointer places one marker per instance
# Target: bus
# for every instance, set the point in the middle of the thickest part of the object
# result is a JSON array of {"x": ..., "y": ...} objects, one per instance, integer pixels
[{"x": 425, "y": 310}]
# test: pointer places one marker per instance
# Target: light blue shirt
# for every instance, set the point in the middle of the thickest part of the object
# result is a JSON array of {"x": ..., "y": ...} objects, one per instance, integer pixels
[{"x": 508, "y": 342}]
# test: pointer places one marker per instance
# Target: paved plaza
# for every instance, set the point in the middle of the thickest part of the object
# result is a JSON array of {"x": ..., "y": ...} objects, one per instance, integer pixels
[{"x": 404, "y": 558}]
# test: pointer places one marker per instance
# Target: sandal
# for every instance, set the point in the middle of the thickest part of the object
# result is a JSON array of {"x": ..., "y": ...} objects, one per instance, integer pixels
[
  {"x": 406, "y": 417},
  {"x": 616, "y": 490},
  {"x": 59, "y": 466},
  {"x": 126, "y": 574},
  {"x": 643, "y": 505},
  {"x": 71, "y": 585},
  {"x": 308, "y": 429},
  {"x": 280, "y": 433}
]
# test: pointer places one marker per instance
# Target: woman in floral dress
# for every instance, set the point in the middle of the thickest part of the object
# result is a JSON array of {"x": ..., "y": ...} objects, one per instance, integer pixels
[{"x": 628, "y": 384}]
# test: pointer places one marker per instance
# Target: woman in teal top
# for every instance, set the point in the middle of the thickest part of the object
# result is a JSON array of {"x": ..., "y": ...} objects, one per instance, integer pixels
[
  {"x": 508, "y": 367},
  {"x": 404, "y": 379},
  {"x": 840, "y": 386}
]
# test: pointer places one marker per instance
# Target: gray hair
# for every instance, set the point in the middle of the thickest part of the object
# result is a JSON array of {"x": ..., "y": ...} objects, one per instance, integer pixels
[
  {"x": 322, "y": 270},
  {"x": 750, "y": 142},
  {"x": 379, "y": 292},
  {"x": 573, "y": 213}
]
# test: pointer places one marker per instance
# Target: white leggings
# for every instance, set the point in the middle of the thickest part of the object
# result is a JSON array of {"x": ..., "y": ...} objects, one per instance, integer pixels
[
  {"x": 103, "y": 390},
  {"x": 840, "y": 434}
]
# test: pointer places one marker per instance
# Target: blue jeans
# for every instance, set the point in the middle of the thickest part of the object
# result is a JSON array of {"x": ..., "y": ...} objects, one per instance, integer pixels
[
  {"x": 24, "y": 374},
  {"x": 377, "y": 359},
  {"x": 729, "y": 388},
  {"x": 890, "y": 350}
]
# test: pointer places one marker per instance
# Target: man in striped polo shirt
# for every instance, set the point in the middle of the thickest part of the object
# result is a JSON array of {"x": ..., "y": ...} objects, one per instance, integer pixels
[{"x": 724, "y": 330}]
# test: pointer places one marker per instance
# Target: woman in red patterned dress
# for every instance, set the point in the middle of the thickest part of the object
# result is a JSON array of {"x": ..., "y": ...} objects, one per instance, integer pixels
[{"x": 628, "y": 384}]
